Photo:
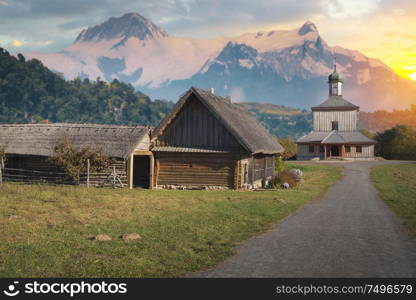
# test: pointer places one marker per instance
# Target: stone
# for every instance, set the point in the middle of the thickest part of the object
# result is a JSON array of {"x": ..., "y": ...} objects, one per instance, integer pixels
[
  {"x": 297, "y": 174},
  {"x": 130, "y": 236},
  {"x": 99, "y": 237}
]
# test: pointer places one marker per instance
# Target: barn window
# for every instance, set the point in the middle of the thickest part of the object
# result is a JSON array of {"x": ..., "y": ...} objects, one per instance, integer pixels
[
  {"x": 358, "y": 149},
  {"x": 311, "y": 148},
  {"x": 347, "y": 148},
  {"x": 334, "y": 125}
]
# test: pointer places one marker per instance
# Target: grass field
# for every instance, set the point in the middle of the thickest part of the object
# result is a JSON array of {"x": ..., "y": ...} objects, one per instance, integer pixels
[
  {"x": 43, "y": 229},
  {"x": 397, "y": 186}
]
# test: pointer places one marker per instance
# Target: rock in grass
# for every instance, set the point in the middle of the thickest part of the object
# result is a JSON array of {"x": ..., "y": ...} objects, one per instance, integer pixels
[
  {"x": 99, "y": 237},
  {"x": 130, "y": 236},
  {"x": 297, "y": 174}
]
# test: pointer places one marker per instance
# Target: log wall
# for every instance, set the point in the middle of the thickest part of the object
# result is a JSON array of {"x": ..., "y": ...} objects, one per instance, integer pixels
[{"x": 195, "y": 169}]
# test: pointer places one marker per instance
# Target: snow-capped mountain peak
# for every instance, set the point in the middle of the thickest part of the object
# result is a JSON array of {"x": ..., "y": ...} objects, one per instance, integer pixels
[
  {"x": 307, "y": 27},
  {"x": 124, "y": 27}
]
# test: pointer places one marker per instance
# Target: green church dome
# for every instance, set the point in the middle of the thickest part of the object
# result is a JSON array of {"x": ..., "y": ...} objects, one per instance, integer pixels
[{"x": 334, "y": 77}]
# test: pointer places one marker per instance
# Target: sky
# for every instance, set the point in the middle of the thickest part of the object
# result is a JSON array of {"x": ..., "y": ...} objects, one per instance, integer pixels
[{"x": 385, "y": 29}]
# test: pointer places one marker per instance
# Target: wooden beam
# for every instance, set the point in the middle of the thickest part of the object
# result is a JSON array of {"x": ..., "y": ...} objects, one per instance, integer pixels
[
  {"x": 130, "y": 171},
  {"x": 138, "y": 152},
  {"x": 152, "y": 166}
]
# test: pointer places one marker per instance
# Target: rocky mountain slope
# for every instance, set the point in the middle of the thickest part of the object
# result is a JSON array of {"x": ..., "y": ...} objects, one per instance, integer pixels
[{"x": 281, "y": 67}]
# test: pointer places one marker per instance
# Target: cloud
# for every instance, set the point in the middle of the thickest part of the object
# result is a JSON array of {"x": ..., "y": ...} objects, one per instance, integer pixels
[
  {"x": 341, "y": 9},
  {"x": 16, "y": 43},
  {"x": 3, "y": 3},
  {"x": 400, "y": 34}
]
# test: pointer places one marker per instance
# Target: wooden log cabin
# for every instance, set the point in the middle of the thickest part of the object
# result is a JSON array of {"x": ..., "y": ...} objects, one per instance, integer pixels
[
  {"x": 335, "y": 134},
  {"x": 209, "y": 142},
  {"x": 28, "y": 147}
]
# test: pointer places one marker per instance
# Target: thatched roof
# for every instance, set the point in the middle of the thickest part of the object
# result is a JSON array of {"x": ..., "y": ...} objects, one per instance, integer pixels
[
  {"x": 40, "y": 139},
  {"x": 240, "y": 123},
  {"x": 335, "y": 103},
  {"x": 336, "y": 137}
]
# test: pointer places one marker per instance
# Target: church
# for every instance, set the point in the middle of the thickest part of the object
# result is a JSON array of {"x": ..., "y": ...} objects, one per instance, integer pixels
[{"x": 335, "y": 134}]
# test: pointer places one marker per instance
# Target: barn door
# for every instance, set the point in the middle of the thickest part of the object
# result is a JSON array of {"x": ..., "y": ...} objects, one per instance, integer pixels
[{"x": 141, "y": 171}]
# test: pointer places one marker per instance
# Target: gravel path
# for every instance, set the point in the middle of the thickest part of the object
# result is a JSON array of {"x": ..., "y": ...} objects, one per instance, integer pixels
[{"x": 349, "y": 233}]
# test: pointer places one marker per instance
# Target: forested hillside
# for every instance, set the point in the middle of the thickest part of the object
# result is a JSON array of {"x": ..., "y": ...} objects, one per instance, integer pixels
[
  {"x": 30, "y": 92},
  {"x": 381, "y": 120}
]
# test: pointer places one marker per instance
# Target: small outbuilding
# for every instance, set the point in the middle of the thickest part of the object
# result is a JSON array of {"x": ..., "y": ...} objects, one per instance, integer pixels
[
  {"x": 28, "y": 147},
  {"x": 209, "y": 142}
]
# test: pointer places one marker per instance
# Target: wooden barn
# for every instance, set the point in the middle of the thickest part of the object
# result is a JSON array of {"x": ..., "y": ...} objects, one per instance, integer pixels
[
  {"x": 28, "y": 146},
  {"x": 209, "y": 142}
]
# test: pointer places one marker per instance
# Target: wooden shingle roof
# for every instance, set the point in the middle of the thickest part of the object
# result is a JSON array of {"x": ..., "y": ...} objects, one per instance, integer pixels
[
  {"x": 336, "y": 137},
  {"x": 40, "y": 139},
  {"x": 335, "y": 102},
  {"x": 240, "y": 123}
]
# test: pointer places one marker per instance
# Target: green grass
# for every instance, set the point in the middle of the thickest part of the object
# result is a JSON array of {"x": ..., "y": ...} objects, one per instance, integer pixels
[
  {"x": 397, "y": 186},
  {"x": 43, "y": 229}
]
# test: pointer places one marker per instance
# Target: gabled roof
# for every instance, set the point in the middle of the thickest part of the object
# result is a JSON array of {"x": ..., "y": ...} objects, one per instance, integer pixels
[
  {"x": 240, "y": 123},
  {"x": 40, "y": 139},
  {"x": 336, "y": 137},
  {"x": 335, "y": 102}
]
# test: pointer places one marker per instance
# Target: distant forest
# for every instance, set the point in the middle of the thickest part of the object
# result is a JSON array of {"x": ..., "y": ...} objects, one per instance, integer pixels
[
  {"x": 31, "y": 93},
  {"x": 381, "y": 120}
]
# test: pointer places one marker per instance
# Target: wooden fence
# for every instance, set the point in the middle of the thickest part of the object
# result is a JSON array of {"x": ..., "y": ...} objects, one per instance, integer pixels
[{"x": 113, "y": 177}]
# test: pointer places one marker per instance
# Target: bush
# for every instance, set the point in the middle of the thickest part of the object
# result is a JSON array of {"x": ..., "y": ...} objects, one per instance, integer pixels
[
  {"x": 280, "y": 164},
  {"x": 290, "y": 147},
  {"x": 74, "y": 162},
  {"x": 282, "y": 177},
  {"x": 397, "y": 143}
]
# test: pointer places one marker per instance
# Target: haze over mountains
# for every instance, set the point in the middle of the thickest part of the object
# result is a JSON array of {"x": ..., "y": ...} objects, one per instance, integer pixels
[{"x": 281, "y": 67}]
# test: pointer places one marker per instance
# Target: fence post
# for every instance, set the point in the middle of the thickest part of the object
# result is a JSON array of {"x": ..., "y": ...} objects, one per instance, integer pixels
[
  {"x": 114, "y": 176},
  {"x": 88, "y": 172},
  {"x": 1, "y": 172}
]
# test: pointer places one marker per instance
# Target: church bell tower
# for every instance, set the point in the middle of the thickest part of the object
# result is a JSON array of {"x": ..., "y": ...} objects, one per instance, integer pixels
[{"x": 335, "y": 83}]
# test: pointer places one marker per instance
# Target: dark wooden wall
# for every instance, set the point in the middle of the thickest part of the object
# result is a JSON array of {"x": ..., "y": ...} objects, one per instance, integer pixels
[
  {"x": 32, "y": 168},
  {"x": 194, "y": 169},
  {"x": 195, "y": 126}
]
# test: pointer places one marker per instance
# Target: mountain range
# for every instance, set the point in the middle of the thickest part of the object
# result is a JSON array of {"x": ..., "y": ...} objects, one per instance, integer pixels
[{"x": 285, "y": 67}]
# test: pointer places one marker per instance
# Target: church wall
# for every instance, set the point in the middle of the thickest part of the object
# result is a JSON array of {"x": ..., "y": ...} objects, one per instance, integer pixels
[
  {"x": 367, "y": 152},
  {"x": 304, "y": 154},
  {"x": 347, "y": 120}
]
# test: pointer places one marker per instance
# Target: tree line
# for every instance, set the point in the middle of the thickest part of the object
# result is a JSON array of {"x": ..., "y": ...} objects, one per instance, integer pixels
[{"x": 31, "y": 93}]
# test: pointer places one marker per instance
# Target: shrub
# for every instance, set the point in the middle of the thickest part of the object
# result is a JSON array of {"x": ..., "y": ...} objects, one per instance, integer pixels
[
  {"x": 280, "y": 164},
  {"x": 282, "y": 177},
  {"x": 397, "y": 143},
  {"x": 74, "y": 162},
  {"x": 290, "y": 147}
]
